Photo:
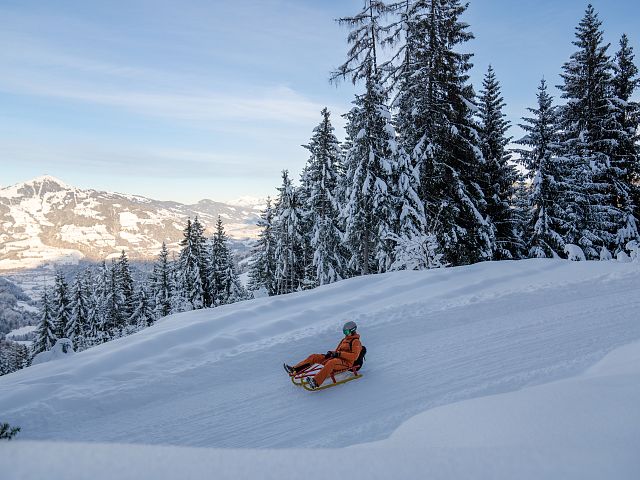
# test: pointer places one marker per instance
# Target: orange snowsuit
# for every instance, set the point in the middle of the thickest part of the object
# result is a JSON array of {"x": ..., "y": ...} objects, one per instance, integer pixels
[{"x": 349, "y": 349}]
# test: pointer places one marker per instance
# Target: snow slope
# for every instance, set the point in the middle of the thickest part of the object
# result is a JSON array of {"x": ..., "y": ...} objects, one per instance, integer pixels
[
  {"x": 580, "y": 428},
  {"x": 213, "y": 378}
]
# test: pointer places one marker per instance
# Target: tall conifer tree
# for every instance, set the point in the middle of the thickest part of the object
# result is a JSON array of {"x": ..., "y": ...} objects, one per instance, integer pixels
[
  {"x": 498, "y": 174},
  {"x": 435, "y": 119},
  {"x": 546, "y": 218},
  {"x": 45, "y": 335},
  {"x": 77, "y": 328},
  {"x": 162, "y": 284},
  {"x": 126, "y": 285},
  {"x": 321, "y": 182},
  {"x": 626, "y": 157},
  {"x": 368, "y": 213},
  {"x": 191, "y": 265},
  {"x": 588, "y": 137},
  {"x": 289, "y": 252},
  {"x": 61, "y": 306},
  {"x": 262, "y": 273}
]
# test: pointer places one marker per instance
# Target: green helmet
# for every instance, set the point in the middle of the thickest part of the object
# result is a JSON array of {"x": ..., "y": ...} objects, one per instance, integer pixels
[{"x": 349, "y": 328}]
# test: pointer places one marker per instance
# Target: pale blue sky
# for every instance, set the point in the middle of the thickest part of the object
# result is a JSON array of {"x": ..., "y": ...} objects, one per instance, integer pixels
[{"x": 210, "y": 99}]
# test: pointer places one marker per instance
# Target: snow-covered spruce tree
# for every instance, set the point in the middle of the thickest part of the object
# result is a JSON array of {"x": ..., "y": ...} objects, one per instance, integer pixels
[
  {"x": 98, "y": 306},
  {"x": 498, "y": 173},
  {"x": 114, "y": 319},
  {"x": 223, "y": 280},
  {"x": 143, "y": 314},
  {"x": 368, "y": 214},
  {"x": 435, "y": 120},
  {"x": 589, "y": 128},
  {"x": 626, "y": 157},
  {"x": 126, "y": 285},
  {"x": 216, "y": 266},
  {"x": 60, "y": 306},
  {"x": 305, "y": 228},
  {"x": 78, "y": 326},
  {"x": 521, "y": 214},
  {"x": 45, "y": 335},
  {"x": 162, "y": 284},
  {"x": 262, "y": 270},
  {"x": 179, "y": 299},
  {"x": 320, "y": 180},
  {"x": 192, "y": 265},
  {"x": 289, "y": 250},
  {"x": 92, "y": 324},
  {"x": 545, "y": 220}
]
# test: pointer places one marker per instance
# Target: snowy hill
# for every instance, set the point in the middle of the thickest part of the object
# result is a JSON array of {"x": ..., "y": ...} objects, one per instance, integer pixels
[
  {"x": 45, "y": 220},
  {"x": 213, "y": 378}
]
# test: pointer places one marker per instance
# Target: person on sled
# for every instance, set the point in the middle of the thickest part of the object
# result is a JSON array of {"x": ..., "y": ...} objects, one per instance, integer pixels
[{"x": 342, "y": 358}]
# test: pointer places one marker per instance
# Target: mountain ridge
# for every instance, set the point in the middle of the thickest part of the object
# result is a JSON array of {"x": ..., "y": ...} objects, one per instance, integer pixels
[{"x": 45, "y": 220}]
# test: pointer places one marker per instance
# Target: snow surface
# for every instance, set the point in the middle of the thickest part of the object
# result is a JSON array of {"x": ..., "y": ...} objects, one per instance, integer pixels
[
  {"x": 585, "y": 427},
  {"x": 436, "y": 340}
]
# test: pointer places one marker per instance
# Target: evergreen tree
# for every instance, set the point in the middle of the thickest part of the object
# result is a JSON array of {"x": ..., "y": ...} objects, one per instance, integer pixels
[
  {"x": 179, "y": 299},
  {"x": 191, "y": 265},
  {"x": 262, "y": 272},
  {"x": 45, "y": 335},
  {"x": 61, "y": 306},
  {"x": 98, "y": 305},
  {"x": 289, "y": 250},
  {"x": 78, "y": 326},
  {"x": 218, "y": 266},
  {"x": 306, "y": 224},
  {"x": 435, "y": 120},
  {"x": 126, "y": 285},
  {"x": 589, "y": 129},
  {"x": 368, "y": 213},
  {"x": 143, "y": 314},
  {"x": 321, "y": 182},
  {"x": 162, "y": 284},
  {"x": 224, "y": 281},
  {"x": 626, "y": 157},
  {"x": 91, "y": 283},
  {"x": 114, "y": 321},
  {"x": 546, "y": 217},
  {"x": 499, "y": 175}
]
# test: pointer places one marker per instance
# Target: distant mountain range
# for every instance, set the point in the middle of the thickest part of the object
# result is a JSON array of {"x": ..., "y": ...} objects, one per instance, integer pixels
[{"x": 45, "y": 220}]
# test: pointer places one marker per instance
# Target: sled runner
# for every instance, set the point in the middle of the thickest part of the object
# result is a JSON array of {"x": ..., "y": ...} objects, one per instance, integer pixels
[{"x": 337, "y": 378}]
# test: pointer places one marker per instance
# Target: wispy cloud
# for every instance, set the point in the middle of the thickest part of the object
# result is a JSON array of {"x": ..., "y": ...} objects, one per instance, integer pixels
[
  {"x": 42, "y": 65},
  {"x": 147, "y": 162},
  {"x": 137, "y": 90}
]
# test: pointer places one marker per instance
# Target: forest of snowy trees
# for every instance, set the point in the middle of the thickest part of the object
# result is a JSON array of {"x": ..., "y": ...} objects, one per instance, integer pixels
[
  {"x": 105, "y": 303},
  {"x": 425, "y": 177}
]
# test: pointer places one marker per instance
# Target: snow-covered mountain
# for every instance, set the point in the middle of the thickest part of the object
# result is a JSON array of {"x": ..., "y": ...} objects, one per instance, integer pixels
[
  {"x": 471, "y": 372},
  {"x": 46, "y": 220}
]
